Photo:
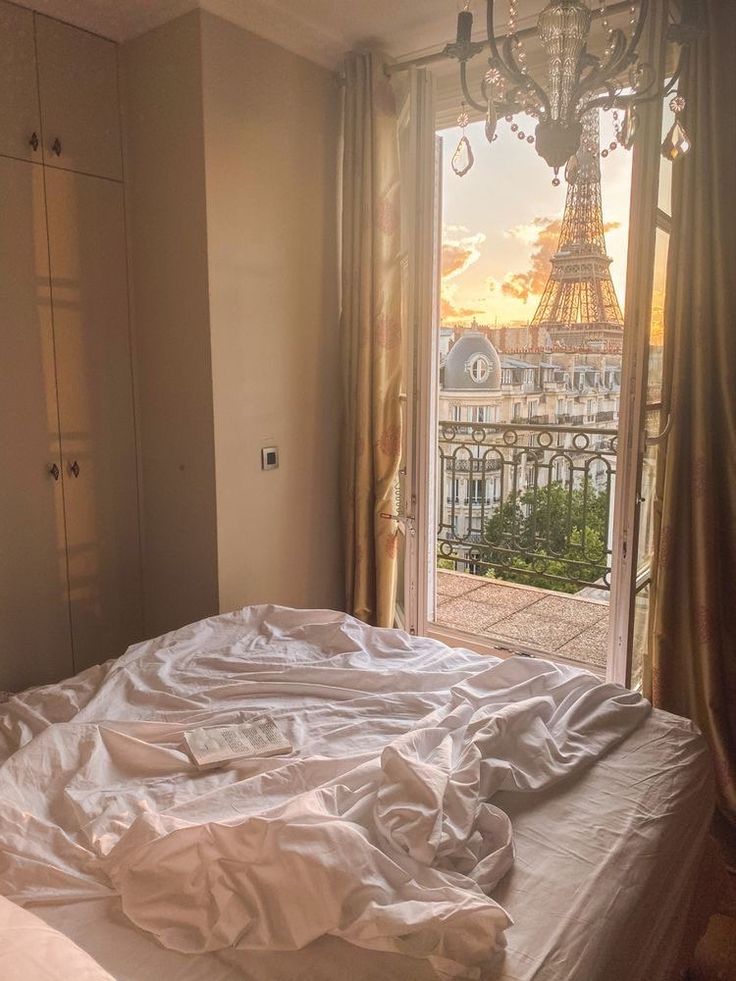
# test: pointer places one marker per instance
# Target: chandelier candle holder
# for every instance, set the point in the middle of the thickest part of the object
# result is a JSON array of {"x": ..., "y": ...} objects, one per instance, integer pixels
[{"x": 576, "y": 80}]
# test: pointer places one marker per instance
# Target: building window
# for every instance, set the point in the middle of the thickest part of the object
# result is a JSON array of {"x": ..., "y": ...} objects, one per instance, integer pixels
[{"x": 455, "y": 412}]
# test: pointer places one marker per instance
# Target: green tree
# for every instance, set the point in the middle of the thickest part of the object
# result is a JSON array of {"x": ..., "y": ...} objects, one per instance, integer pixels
[{"x": 548, "y": 534}]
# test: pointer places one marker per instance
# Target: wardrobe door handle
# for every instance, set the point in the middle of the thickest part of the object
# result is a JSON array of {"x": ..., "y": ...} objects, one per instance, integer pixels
[
  {"x": 56, "y": 147},
  {"x": 74, "y": 469},
  {"x": 33, "y": 142},
  {"x": 54, "y": 471}
]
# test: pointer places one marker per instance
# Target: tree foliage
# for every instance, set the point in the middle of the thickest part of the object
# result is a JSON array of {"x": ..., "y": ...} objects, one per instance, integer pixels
[{"x": 549, "y": 532}]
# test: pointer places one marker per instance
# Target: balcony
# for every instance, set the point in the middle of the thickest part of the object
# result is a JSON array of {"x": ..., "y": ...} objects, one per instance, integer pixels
[
  {"x": 526, "y": 559},
  {"x": 508, "y": 615}
]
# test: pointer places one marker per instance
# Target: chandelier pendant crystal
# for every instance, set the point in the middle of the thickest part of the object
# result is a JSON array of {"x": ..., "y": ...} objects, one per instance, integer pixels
[
  {"x": 463, "y": 158},
  {"x": 676, "y": 143}
]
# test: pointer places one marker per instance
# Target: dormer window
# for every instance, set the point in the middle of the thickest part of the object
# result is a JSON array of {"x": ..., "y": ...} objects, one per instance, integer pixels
[{"x": 479, "y": 368}]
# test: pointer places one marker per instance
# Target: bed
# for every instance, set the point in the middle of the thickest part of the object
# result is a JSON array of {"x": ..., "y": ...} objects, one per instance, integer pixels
[{"x": 443, "y": 814}]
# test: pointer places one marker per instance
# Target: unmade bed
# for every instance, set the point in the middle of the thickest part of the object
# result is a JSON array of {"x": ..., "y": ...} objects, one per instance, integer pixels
[{"x": 442, "y": 814}]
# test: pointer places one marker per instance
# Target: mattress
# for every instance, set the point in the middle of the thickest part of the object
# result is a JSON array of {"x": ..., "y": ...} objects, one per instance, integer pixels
[{"x": 605, "y": 855}]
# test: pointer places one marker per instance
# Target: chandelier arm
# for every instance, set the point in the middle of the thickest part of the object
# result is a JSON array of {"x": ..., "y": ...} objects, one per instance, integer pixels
[
  {"x": 670, "y": 86},
  {"x": 466, "y": 89},
  {"x": 511, "y": 70},
  {"x": 646, "y": 95},
  {"x": 620, "y": 58},
  {"x": 616, "y": 64},
  {"x": 636, "y": 36},
  {"x": 603, "y": 102}
]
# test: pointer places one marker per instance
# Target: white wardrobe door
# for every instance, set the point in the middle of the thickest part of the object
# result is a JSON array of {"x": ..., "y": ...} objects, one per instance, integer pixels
[
  {"x": 20, "y": 123},
  {"x": 35, "y": 640},
  {"x": 89, "y": 289},
  {"x": 78, "y": 77}
]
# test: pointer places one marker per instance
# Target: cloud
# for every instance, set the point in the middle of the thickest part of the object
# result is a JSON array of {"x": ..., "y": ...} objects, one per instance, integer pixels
[
  {"x": 542, "y": 234},
  {"x": 452, "y": 309},
  {"x": 458, "y": 254},
  {"x": 460, "y": 251}
]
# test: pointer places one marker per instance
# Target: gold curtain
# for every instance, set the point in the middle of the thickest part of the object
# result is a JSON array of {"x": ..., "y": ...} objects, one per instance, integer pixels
[
  {"x": 371, "y": 338},
  {"x": 693, "y": 649}
]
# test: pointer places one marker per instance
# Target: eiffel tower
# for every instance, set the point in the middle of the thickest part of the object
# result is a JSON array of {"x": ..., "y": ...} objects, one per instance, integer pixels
[{"x": 579, "y": 308}]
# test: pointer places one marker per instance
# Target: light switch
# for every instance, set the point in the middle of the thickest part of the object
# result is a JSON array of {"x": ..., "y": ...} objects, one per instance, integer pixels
[{"x": 269, "y": 458}]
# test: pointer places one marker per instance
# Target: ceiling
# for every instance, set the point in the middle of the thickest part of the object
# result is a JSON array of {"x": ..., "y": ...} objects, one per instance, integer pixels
[{"x": 321, "y": 30}]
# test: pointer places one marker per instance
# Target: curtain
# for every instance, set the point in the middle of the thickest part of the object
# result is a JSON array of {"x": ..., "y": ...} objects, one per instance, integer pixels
[
  {"x": 371, "y": 338},
  {"x": 693, "y": 634}
]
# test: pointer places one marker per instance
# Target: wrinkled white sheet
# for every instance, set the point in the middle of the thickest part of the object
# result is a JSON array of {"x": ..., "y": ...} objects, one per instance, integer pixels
[{"x": 377, "y": 829}]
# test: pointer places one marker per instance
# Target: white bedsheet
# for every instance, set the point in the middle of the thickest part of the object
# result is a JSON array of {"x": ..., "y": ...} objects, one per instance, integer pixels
[{"x": 384, "y": 750}]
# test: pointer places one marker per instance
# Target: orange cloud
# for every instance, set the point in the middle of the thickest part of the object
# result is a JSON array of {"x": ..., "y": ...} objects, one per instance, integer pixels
[
  {"x": 455, "y": 258},
  {"x": 458, "y": 254},
  {"x": 543, "y": 235},
  {"x": 448, "y": 310}
]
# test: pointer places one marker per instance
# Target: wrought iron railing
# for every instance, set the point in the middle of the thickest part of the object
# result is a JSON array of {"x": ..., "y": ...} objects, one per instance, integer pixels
[{"x": 527, "y": 503}]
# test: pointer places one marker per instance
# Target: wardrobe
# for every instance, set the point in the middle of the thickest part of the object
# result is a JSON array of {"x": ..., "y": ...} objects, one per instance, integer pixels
[{"x": 70, "y": 580}]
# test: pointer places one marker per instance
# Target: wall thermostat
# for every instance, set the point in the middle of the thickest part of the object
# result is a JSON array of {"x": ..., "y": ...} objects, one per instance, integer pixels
[{"x": 269, "y": 458}]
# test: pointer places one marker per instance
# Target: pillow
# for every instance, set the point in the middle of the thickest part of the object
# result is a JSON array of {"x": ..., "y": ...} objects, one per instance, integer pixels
[{"x": 30, "y": 950}]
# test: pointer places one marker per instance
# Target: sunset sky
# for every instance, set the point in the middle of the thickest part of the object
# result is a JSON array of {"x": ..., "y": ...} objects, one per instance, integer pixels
[{"x": 501, "y": 222}]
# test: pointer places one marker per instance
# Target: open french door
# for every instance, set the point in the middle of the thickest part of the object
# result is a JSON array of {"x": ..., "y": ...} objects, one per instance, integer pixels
[
  {"x": 420, "y": 262},
  {"x": 642, "y": 430}
]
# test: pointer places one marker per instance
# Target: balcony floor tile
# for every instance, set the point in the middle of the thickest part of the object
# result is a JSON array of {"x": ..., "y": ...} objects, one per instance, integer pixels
[
  {"x": 589, "y": 646},
  {"x": 545, "y": 632},
  {"x": 465, "y": 615},
  {"x": 581, "y": 612},
  {"x": 502, "y": 601},
  {"x": 451, "y": 585}
]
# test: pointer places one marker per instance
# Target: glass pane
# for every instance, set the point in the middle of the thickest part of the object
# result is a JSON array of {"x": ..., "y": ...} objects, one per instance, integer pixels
[
  {"x": 654, "y": 384},
  {"x": 655, "y": 423},
  {"x": 641, "y": 636},
  {"x": 665, "y": 166},
  {"x": 646, "y": 492}
]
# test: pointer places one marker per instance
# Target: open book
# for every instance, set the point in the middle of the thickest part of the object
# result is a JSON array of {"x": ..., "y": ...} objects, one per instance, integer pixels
[{"x": 215, "y": 746}]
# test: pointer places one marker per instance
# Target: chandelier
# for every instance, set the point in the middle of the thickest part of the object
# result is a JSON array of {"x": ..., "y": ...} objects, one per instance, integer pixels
[{"x": 576, "y": 82}]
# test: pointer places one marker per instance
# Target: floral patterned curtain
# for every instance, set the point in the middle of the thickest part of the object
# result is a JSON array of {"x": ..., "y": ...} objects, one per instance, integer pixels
[
  {"x": 371, "y": 338},
  {"x": 693, "y": 649}
]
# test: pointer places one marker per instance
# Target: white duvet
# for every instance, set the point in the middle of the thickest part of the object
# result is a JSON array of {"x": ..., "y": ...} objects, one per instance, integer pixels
[{"x": 379, "y": 828}]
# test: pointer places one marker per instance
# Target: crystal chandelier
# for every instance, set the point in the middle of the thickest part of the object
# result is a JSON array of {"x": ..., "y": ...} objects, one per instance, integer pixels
[{"x": 576, "y": 80}]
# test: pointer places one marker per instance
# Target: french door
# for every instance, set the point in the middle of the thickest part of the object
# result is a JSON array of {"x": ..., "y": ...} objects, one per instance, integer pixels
[{"x": 641, "y": 434}]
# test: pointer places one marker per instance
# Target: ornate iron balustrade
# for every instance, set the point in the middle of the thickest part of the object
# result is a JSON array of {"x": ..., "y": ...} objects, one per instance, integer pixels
[{"x": 526, "y": 502}]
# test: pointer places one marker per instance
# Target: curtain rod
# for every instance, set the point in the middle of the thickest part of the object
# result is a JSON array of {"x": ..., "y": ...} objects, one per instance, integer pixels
[{"x": 430, "y": 59}]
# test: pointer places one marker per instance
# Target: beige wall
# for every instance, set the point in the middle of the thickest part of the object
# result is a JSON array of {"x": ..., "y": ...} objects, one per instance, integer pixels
[
  {"x": 270, "y": 147},
  {"x": 161, "y": 88},
  {"x": 231, "y": 170}
]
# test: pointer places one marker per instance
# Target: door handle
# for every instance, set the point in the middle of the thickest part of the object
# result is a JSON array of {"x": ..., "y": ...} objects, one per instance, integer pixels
[
  {"x": 54, "y": 471},
  {"x": 56, "y": 147},
  {"x": 33, "y": 142},
  {"x": 74, "y": 469}
]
